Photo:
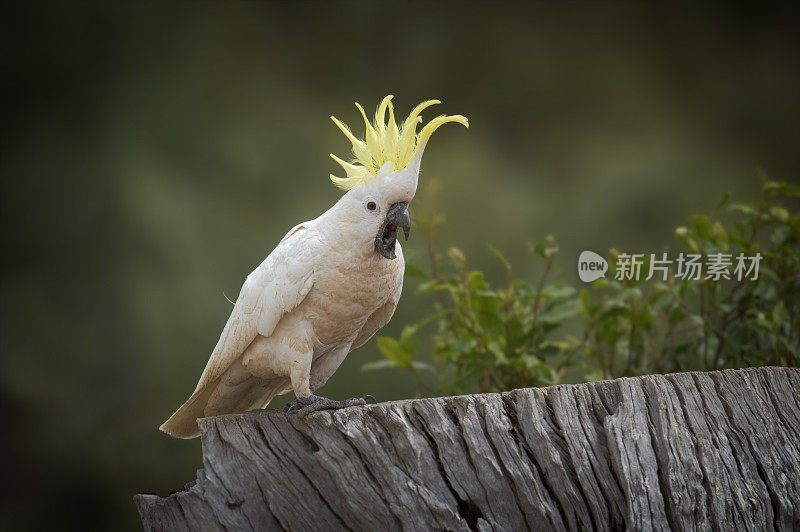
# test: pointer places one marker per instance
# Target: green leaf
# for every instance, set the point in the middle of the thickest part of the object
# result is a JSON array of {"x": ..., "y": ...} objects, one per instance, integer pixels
[
  {"x": 392, "y": 350},
  {"x": 407, "y": 338},
  {"x": 630, "y": 293},
  {"x": 702, "y": 225},
  {"x": 496, "y": 349},
  {"x": 500, "y": 257},
  {"x": 491, "y": 294},
  {"x": 558, "y": 291},
  {"x": 724, "y": 200},
  {"x": 560, "y": 312},
  {"x": 457, "y": 258},
  {"x": 422, "y": 366},
  {"x": 780, "y": 235},
  {"x": 532, "y": 362},
  {"x": 475, "y": 281},
  {"x": 378, "y": 365},
  {"x": 661, "y": 287},
  {"x": 792, "y": 191},
  {"x": 744, "y": 209},
  {"x": 720, "y": 236},
  {"x": 561, "y": 345},
  {"x": 684, "y": 236},
  {"x": 435, "y": 286},
  {"x": 544, "y": 251},
  {"x": 779, "y": 314},
  {"x": 413, "y": 271},
  {"x": 677, "y": 314},
  {"x": 584, "y": 297},
  {"x": 779, "y": 213},
  {"x": 594, "y": 376}
]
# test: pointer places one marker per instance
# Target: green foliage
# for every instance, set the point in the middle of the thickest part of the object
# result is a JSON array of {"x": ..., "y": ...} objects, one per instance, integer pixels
[
  {"x": 683, "y": 324},
  {"x": 499, "y": 336},
  {"x": 491, "y": 337}
]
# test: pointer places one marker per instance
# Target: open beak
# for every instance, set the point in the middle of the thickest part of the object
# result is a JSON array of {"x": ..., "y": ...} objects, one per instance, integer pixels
[{"x": 397, "y": 217}]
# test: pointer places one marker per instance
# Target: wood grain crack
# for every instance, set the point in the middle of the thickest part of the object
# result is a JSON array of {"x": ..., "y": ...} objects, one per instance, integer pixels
[{"x": 713, "y": 451}]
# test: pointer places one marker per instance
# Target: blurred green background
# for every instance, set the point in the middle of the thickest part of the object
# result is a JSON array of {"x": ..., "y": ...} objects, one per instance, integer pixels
[{"x": 154, "y": 153}]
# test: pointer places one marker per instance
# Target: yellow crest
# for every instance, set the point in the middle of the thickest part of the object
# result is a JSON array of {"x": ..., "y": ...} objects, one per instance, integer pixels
[{"x": 386, "y": 141}]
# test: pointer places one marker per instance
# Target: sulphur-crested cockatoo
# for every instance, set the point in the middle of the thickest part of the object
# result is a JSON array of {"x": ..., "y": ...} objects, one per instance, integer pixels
[{"x": 327, "y": 287}]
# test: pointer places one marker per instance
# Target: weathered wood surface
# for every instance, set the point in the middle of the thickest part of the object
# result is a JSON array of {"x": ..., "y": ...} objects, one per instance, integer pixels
[{"x": 718, "y": 450}]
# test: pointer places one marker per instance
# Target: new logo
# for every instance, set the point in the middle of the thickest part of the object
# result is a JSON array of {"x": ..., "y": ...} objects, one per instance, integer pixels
[{"x": 591, "y": 266}]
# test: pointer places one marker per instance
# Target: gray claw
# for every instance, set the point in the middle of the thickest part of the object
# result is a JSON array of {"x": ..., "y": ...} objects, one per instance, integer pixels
[
  {"x": 300, "y": 403},
  {"x": 313, "y": 403},
  {"x": 330, "y": 404}
]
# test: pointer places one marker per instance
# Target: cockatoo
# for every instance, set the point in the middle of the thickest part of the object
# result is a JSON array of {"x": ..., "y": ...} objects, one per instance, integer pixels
[{"x": 326, "y": 288}]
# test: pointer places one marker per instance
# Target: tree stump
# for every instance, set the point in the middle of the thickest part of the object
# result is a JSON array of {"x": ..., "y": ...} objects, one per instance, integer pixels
[{"x": 717, "y": 450}]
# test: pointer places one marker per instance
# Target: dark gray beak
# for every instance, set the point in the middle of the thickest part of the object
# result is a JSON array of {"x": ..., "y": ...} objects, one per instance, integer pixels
[{"x": 396, "y": 217}]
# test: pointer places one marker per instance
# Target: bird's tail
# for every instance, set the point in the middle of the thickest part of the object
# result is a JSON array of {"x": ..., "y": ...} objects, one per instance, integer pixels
[
  {"x": 234, "y": 391},
  {"x": 183, "y": 423}
]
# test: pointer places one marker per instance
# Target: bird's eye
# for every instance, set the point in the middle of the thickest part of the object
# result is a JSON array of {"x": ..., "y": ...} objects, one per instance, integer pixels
[{"x": 372, "y": 206}]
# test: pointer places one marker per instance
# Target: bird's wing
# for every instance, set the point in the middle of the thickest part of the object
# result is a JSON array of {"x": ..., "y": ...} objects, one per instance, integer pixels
[
  {"x": 379, "y": 318},
  {"x": 276, "y": 286}
]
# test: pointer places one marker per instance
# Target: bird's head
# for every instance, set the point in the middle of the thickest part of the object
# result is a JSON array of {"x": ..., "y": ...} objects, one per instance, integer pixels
[{"x": 383, "y": 173}]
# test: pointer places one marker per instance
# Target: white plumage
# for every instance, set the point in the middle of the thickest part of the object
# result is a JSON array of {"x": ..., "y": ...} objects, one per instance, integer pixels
[{"x": 327, "y": 287}]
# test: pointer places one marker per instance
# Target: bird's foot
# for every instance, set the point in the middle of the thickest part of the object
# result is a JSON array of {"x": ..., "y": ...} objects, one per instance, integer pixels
[{"x": 305, "y": 405}]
